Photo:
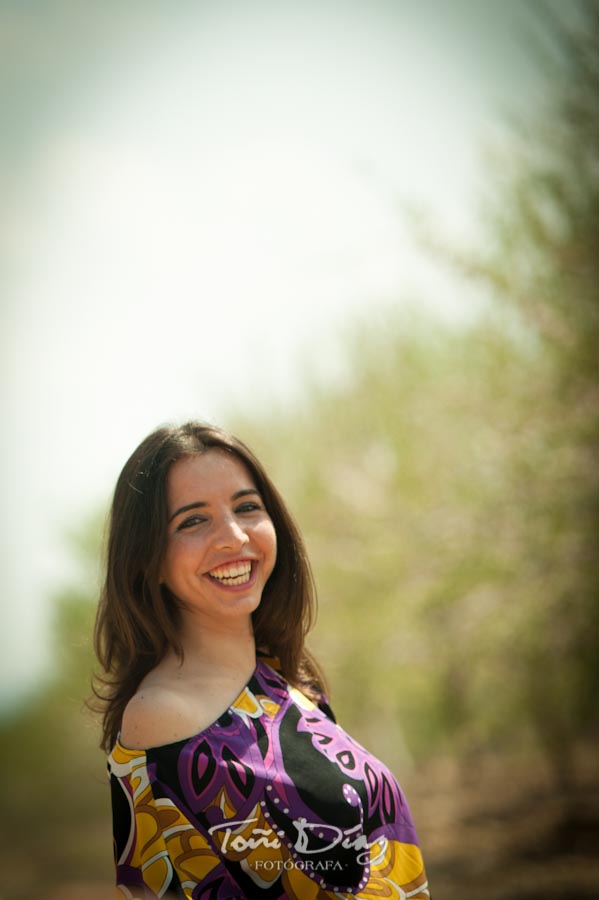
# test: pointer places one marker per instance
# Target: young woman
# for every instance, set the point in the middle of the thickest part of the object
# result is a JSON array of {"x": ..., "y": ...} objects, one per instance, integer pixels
[{"x": 230, "y": 777}]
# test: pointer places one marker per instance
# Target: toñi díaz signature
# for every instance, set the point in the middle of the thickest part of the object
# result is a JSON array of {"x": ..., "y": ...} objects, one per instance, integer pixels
[{"x": 265, "y": 837}]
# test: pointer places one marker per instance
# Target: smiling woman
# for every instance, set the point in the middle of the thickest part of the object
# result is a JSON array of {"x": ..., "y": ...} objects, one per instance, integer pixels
[{"x": 230, "y": 775}]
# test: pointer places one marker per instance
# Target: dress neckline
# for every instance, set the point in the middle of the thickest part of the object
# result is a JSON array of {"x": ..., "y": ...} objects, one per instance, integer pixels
[{"x": 130, "y": 751}]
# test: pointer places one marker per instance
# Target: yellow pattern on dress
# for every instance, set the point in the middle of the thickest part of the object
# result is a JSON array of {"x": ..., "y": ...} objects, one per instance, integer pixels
[{"x": 161, "y": 836}]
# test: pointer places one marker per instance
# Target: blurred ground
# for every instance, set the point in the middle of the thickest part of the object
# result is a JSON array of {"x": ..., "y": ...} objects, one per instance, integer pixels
[{"x": 498, "y": 829}]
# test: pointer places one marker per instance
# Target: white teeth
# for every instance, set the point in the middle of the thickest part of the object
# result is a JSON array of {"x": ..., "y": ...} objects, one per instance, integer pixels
[
  {"x": 241, "y": 579},
  {"x": 238, "y": 573}
]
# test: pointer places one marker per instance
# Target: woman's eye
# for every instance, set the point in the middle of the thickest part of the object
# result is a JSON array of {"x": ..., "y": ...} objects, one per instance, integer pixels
[
  {"x": 190, "y": 522},
  {"x": 248, "y": 507}
]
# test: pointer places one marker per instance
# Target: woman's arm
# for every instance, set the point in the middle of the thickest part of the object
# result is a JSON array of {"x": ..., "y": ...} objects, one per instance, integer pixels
[{"x": 157, "y": 851}]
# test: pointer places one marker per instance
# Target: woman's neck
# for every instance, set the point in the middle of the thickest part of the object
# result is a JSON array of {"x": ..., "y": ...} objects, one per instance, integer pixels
[{"x": 215, "y": 649}]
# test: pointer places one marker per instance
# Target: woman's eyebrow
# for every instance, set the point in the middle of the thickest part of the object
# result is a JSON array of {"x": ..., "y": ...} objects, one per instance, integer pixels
[
  {"x": 199, "y": 503},
  {"x": 187, "y": 507},
  {"x": 244, "y": 493}
]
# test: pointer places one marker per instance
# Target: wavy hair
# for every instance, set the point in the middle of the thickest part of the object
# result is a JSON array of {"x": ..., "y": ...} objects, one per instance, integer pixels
[{"x": 138, "y": 619}]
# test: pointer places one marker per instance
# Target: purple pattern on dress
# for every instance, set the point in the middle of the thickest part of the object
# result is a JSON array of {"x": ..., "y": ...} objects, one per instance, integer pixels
[
  {"x": 275, "y": 766},
  {"x": 255, "y": 760}
]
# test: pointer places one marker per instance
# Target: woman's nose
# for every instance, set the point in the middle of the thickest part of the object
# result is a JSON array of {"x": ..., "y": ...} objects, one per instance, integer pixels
[{"x": 231, "y": 534}]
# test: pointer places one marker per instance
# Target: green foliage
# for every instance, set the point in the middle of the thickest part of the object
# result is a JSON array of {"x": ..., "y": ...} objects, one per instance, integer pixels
[
  {"x": 449, "y": 491},
  {"x": 54, "y": 784},
  {"x": 545, "y": 271}
]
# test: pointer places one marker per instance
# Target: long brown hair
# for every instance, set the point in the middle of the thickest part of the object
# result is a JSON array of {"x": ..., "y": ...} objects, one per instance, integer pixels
[{"x": 138, "y": 618}]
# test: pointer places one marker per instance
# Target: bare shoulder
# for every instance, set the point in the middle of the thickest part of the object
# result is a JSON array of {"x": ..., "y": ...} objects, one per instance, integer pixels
[
  {"x": 168, "y": 707},
  {"x": 158, "y": 715}
]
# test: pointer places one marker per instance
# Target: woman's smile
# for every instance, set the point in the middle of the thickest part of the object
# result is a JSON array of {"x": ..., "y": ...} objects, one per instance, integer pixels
[{"x": 234, "y": 574}]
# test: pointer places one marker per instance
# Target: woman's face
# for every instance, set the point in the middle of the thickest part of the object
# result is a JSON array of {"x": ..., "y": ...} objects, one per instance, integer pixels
[{"x": 221, "y": 544}]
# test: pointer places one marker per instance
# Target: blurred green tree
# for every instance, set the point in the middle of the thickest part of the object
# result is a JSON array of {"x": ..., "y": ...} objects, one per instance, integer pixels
[
  {"x": 54, "y": 785},
  {"x": 449, "y": 488},
  {"x": 544, "y": 270}
]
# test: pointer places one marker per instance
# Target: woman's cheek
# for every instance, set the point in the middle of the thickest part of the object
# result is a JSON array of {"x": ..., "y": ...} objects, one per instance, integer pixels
[{"x": 174, "y": 559}]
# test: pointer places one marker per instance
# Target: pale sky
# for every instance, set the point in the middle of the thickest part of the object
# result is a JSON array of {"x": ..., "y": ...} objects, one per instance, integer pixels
[{"x": 198, "y": 197}]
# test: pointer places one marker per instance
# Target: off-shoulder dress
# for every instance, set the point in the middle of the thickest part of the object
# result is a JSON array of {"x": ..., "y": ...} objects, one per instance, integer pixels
[{"x": 273, "y": 800}]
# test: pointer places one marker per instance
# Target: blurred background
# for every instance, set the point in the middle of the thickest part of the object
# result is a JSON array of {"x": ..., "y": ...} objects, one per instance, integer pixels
[{"x": 363, "y": 236}]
